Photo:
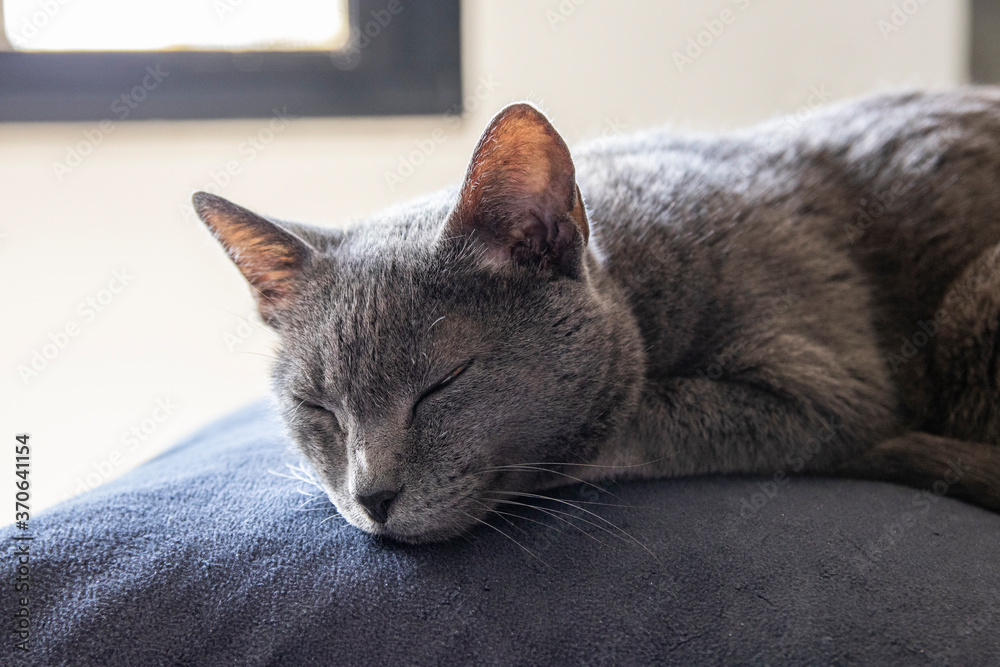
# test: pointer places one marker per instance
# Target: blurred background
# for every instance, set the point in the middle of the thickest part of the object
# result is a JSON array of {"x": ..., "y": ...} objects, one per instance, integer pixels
[{"x": 127, "y": 328}]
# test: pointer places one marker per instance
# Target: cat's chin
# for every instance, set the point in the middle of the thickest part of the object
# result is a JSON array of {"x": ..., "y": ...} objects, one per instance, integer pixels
[
  {"x": 428, "y": 537},
  {"x": 443, "y": 526},
  {"x": 423, "y": 536}
]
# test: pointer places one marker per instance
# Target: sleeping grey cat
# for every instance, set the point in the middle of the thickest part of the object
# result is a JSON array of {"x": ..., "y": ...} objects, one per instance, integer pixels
[{"x": 821, "y": 299}]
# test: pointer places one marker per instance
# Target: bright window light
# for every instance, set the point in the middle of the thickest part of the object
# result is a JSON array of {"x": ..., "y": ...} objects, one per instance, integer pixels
[{"x": 175, "y": 25}]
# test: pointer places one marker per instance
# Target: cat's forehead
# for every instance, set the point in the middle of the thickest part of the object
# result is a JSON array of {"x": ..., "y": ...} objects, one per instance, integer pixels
[
  {"x": 365, "y": 289},
  {"x": 384, "y": 323}
]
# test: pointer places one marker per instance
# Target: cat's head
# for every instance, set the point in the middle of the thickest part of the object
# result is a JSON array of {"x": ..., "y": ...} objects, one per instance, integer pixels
[{"x": 450, "y": 352}]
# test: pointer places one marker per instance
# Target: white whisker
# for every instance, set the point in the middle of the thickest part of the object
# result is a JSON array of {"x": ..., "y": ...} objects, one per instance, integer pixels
[
  {"x": 598, "y": 517},
  {"x": 490, "y": 509},
  {"x": 528, "y": 518},
  {"x": 580, "y": 502},
  {"x": 526, "y": 549},
  {"x": 556, "y": 514},
  {"x": 524, "y": 467}
]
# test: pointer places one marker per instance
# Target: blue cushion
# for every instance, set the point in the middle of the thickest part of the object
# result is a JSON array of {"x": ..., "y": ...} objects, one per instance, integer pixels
[{"x": 203, "y": 556}]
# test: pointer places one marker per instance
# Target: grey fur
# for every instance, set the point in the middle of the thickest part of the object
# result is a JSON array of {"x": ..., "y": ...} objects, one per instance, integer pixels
[{"x": 820, "y": 299}]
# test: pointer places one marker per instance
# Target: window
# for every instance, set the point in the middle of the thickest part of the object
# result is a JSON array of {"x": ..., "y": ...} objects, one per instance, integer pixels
[
  {"x": 122, "y": 59},
  {"x": 985, "y": 41}
]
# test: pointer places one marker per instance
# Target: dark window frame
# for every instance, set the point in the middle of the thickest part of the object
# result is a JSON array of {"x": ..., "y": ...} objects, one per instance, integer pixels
[
  {"x": 397, "y": 62},
  {"x": 985, "y": 43}
]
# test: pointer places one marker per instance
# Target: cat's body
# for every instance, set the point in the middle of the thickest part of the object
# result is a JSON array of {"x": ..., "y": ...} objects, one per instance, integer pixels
[
  {"x": 811, "y": 261},
  {"x": 820, "y": 298}
]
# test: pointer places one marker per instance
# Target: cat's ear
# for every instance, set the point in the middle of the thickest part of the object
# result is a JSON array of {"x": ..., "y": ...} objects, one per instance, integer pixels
[
  {"x": 520, "y": 198},
  {"x": 269, "y": 257}
]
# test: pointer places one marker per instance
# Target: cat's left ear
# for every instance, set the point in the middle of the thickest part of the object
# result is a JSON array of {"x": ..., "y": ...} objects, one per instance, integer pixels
[
  {"x": 520, "y": 198},
  {"x": 269, "y": 257}
]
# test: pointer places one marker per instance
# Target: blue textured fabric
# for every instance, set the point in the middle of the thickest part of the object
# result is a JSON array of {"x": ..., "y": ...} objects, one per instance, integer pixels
[{"x": 201, "y": 557}]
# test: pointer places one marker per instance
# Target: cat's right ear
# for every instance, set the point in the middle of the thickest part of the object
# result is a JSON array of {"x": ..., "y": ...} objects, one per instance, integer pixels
[
  {"x": 519, "y": 200},
  {"x": 269, "y": 257}
]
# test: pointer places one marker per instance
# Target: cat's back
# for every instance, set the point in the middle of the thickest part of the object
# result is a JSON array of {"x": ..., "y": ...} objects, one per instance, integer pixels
[
  {"x": 848, "y": 148},
  {"x": 872, "y": 206},
  {"x": 902, "y": 183}
]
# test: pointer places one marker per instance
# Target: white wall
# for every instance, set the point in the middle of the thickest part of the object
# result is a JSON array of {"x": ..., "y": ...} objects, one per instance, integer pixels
[{"x": 597, "y": 66}]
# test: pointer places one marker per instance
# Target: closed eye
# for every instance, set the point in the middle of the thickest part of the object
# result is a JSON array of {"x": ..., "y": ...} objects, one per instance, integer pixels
[
  {"x": 306, "y": 404},
  {"x": 314, "y": 408},
  {"x": 439, "y": 385}
]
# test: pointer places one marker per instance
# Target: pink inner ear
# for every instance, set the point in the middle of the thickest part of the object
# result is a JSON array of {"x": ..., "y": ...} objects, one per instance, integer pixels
[
  {"x": 521, "y": 174},
  {"x": 267, "y": 256},
  {"x": 522, "y": 161},
  {"x": 267, "y": 265}
]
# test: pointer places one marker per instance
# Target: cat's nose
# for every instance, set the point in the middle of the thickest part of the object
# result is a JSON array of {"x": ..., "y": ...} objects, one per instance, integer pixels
[{"x": 377, "y": 504}]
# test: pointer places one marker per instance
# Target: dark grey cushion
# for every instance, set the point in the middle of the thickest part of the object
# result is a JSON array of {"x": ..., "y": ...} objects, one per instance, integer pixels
[{"x": 203, "y": 557}]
